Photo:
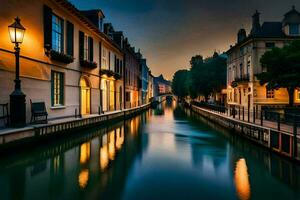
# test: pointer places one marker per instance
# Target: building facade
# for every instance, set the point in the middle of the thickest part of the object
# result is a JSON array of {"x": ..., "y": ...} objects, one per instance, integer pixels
[
  {"x": 132, "y": 76},
  {"x": 67, "y": 60},
  {"x": 243, "y": 88},
  {"x": 161, "y": 86}
]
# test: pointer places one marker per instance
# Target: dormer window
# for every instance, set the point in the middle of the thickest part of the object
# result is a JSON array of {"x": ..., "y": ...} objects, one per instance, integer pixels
[{"x": 294, "y": 29}]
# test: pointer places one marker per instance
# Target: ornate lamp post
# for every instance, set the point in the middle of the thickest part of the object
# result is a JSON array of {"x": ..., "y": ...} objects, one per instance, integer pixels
[{"x": 17, "y": 97}]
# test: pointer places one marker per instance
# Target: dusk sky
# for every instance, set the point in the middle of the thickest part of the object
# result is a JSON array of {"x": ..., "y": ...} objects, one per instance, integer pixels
[{"x": 170, "y": 32}]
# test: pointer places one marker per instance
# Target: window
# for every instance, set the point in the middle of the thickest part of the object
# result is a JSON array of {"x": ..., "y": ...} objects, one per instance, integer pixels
[
  {"x": 127, "y": 96},
  {"x": 270, "y": 93},
  {"x": 57, "y": 88},
  {"x": 294, "y": 29},
  {"x": 104, "y": 59},
  {"x": 270, "y": 45},
  {"x": 298, "y": 94},
  {"x": 57, "y": 34}
]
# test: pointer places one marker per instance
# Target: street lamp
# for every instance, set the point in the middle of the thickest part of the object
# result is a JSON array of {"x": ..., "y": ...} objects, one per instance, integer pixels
[{"x": 17, "y": 97}]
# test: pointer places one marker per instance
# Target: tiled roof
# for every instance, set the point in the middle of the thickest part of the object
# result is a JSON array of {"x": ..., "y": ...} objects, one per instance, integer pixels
[{"x": 270, "y": 30}]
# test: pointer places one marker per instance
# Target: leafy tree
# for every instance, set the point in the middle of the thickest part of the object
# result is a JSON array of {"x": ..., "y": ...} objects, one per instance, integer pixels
[
  {"x": 180, "y": 83},
  {"x": 208, "y": 76},
  {"x": 281, "y": 68}
]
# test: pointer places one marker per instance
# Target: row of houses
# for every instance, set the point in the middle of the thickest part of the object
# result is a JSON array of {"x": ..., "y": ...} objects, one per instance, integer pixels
[
  {"x": 71, "y": 60},
  {"x": 243, "y": 63}
]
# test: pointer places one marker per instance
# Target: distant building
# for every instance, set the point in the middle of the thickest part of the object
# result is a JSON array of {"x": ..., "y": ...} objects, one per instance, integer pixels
[
  {"x": 243, "y": 88},
  {"x": 161, "y": 86},
  {"x": 150, "y": 86}
]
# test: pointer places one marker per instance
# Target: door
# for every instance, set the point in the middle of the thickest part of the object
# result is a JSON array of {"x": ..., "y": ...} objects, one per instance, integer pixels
[{"x": 85, "y": 93}]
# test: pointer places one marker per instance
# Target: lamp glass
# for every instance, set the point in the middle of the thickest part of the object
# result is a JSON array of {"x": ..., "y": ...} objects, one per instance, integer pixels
[
  {"x": 16, "y": 31},
  {"x": 16, "y": 35}
]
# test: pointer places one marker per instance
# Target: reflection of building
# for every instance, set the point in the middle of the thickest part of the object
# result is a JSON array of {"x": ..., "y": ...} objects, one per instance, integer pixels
[
  {"x": 161, "y": 86},
  {"x": 243, "y": 88}
]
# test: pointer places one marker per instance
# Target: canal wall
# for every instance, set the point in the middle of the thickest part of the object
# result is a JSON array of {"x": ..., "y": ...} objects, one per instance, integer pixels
[
  {"x": 28, "y": 135},
  {"x": 281, "y": 142}
]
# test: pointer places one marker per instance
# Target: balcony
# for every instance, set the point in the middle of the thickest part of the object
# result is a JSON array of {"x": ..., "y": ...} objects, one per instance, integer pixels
[
  {"x": 88, "y": 64},
  {"x": 240, "y": 80},
  {"x": 110, "y": 73}
]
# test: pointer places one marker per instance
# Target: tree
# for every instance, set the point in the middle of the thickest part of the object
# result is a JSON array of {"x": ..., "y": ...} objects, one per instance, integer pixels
[
  {"x": 281, "y": 68},
  {"x": 207, "y": 76},
  {"x": 180, "y": 83}
]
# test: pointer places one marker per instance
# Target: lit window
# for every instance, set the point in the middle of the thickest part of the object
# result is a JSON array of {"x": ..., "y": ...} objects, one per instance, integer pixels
[
  {"x": 57, "y": 88},
  {"x": 57, "y": 34},
  {"x": 294, "y": 29},
  {"x": 270, "y": 93},
  {"x": 298, "y": 94}
]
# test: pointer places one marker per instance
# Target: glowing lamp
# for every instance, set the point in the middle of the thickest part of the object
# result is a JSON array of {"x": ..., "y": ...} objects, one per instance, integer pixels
[{"x": 16, "y": 31}]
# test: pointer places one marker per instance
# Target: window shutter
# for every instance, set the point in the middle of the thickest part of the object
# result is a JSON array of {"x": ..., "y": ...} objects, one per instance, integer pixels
[
  {"x": 52, "y": 88},
  {"x": 61, "y": 92},
  {"x": 81, "y": 45},
  {"x": 70, "y": 38},
  {"x": 91, "y": 49},
  {"x": 63, "y": 35},
  {"x": 47, "y": 27}
]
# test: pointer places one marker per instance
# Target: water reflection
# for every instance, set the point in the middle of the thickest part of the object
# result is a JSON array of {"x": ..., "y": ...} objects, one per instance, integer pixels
[
  {"x": 241, "y": 179},
  {"x": 164, "y": 154}
]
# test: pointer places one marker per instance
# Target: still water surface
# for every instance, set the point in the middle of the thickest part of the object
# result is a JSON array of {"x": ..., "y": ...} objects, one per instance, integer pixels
[{"x": 166, "y": 153}]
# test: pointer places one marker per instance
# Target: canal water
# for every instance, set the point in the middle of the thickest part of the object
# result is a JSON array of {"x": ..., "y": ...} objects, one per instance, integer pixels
[{"x": 165, "y": 153}]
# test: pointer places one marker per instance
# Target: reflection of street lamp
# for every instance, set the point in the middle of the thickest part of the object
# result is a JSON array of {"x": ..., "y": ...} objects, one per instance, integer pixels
[{"x": 17, "y": 98}]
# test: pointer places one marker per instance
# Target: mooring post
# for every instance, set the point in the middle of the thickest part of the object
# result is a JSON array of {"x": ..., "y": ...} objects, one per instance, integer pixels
[
  {"x": 75, "y": 112},
  {"x": 239, "y": 112}
]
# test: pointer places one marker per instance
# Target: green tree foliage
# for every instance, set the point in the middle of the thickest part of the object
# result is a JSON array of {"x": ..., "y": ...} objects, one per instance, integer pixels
[
  {"x": 180, "y": 83},
  {"x": 205, "y": 76},
  {"x": 281, "y": 68},
  {"x": 208, "y": 76}
]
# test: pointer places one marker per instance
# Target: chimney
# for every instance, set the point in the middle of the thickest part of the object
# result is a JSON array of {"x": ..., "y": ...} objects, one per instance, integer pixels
[
  {"x": 241, "y": 35},
  {"x": 255, "y": 23}
]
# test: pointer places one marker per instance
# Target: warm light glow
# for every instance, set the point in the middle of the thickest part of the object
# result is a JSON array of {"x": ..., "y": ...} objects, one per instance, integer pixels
[
  {"x": 120, "y": 139},
  {"x": 103, "y": 157},
  {"x": 83, "y": 178},
  {"x": 111, "y": 146},
  {"x": 56, "y": 163},
  {"x": 241, "y": 178},
  {"x": 16, "y": 32},
  {"x": 85, "y": 152}
]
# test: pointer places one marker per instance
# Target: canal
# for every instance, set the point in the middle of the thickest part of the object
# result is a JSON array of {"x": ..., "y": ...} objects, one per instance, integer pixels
[{"x": 165, "y": 153}]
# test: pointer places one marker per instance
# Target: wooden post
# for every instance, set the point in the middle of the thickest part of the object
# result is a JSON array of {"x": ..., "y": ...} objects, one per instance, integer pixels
[
  {"x": 239, "y": 112},
  {"x": 234, "y": 111},
  {"x": 261, "y": 118},
  {"x": 243, "y": 113},
  {"x": 278, "y": 121},
  {"x": 248, "y": 113},
  {"x": 253, "y": 114}
]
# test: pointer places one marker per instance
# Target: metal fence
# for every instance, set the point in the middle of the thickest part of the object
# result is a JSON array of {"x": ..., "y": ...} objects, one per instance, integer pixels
[{"x": 277, "y": 120}]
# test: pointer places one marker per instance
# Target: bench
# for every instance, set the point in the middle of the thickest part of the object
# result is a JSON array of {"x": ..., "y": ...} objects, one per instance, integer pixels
[
  {"x": 38, "y": 112},
  {"x": 4, "y": 115}
]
